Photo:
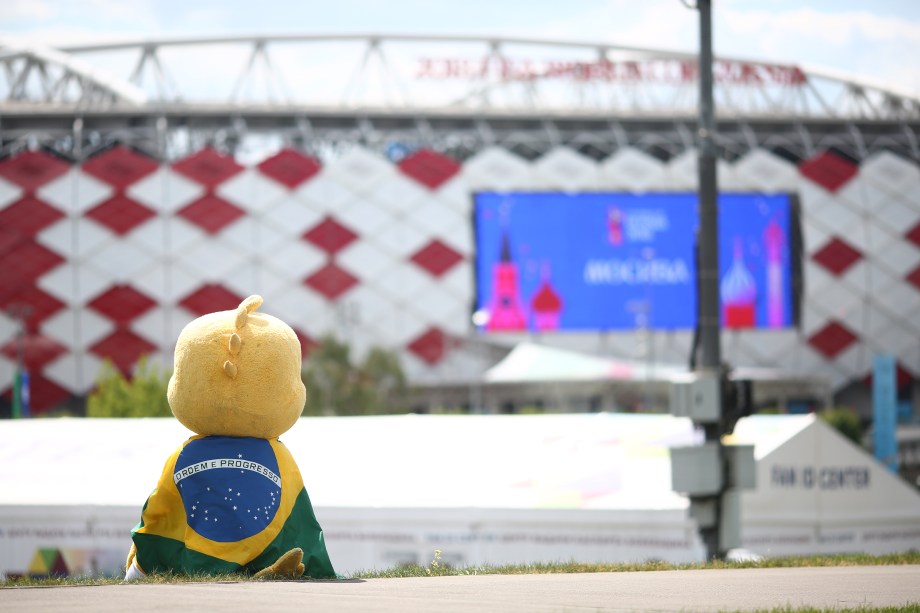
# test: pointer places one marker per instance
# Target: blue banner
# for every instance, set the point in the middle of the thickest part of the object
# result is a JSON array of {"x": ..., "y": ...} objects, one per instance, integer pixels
[{"x": 884, "y": 410}]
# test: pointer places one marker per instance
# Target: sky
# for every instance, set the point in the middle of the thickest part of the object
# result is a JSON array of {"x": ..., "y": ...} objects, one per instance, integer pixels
[{"x": 877, "y": 41}]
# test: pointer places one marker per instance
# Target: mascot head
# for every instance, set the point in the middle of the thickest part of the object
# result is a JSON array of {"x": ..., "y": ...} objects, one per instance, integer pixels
[{"x": 237, "y": 373}]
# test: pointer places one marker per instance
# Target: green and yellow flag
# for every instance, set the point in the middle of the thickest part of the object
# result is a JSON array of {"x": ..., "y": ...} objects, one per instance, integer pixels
[{"x": 229, "y": 504}]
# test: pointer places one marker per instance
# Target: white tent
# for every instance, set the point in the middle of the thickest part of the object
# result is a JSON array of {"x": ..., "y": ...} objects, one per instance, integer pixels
[
  {"x": 818, "y": 492},
  {"x": 532, "y": 363},
  {"x": 482, "y": 489}
]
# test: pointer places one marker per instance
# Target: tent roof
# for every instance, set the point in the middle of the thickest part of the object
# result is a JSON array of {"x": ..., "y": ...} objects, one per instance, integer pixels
[
  {"x": 568, "y": 461},
  {"x": 531, "y": 363},
  {"x": 766, "y": 432},
  {"x": 808, "y": 472},
  {"x": 573, "y": 461}
]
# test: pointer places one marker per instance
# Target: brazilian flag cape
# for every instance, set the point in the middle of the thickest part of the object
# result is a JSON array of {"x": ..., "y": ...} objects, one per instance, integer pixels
[{"x": 229, "y": 504}]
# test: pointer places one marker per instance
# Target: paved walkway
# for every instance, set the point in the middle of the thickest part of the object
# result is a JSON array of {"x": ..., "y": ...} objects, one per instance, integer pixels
[{"x": 689, "y": 590}]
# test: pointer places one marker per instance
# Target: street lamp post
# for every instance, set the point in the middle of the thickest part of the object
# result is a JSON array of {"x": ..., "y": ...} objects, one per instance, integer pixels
[
  {"x": 711, "y": 357},
  {"x": 710, "y": 339},
  {"x": 711, "y": 475}
]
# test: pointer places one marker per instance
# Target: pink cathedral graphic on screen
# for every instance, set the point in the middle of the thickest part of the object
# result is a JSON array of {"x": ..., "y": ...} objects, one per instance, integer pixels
[
  {"x": 546, "y": 304},
  {"x": 506, "y": 311}
]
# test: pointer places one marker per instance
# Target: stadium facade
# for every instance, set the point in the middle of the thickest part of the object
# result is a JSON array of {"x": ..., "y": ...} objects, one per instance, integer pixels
[{"x": 129, "y": 206}]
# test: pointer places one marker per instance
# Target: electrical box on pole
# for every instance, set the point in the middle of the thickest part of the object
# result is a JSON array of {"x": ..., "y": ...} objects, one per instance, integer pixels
[
  {"x": 697, "y": 396},
  {"x": 696, "y": 470}
]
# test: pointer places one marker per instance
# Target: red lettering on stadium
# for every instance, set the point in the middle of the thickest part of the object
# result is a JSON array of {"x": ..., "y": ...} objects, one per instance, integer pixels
[{"x": 664, "y": 71}]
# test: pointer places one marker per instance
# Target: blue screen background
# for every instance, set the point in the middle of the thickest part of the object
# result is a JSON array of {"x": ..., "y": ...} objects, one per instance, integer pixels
[{"x": 620, "y": 260}]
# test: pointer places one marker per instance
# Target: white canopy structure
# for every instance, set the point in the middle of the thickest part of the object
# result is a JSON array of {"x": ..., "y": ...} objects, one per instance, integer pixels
[
  {"x": 482, "y": 489},
  {"x": 532, "y": 363}
]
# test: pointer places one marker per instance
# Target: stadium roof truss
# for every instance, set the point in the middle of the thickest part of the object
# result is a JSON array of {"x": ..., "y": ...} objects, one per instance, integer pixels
[{"x": 453, "y": 93}]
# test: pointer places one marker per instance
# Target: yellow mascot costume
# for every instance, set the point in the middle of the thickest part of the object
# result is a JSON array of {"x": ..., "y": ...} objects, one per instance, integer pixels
[{"x": 232, "y": 499}]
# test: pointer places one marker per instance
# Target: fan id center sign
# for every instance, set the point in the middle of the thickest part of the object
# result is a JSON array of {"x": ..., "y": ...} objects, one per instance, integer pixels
[{"x": 824, "y": 478}]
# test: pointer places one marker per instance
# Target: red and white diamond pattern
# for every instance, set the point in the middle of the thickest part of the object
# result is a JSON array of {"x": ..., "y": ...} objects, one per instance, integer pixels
[
  {"x": 563, "y": 168},
  {"x": 632, "y": 170},
  {"x": 113, "y": 257}
]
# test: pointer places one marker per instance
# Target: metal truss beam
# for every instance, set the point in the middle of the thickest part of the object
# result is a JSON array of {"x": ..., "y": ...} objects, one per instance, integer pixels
[
  {"x": 418, "y": 73},
  {"x": 169, "y": 135}
]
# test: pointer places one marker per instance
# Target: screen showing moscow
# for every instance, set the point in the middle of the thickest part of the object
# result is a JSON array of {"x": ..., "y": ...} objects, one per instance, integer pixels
[{"x": 606, "y": 261}]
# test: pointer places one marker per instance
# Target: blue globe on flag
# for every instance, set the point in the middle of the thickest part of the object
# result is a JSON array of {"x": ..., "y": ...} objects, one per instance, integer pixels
[{"x": 230, "y": 486}]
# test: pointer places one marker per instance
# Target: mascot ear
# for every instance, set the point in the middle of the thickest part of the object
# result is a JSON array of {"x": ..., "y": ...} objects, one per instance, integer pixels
[{"x": 246, "y": 307}]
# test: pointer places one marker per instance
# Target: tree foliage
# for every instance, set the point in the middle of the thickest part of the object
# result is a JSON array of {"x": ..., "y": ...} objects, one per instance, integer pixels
[
  {"x": 337, "y": 386},
  {"x": 144, "y": 395},
  {"x": 846, "y": 421}
]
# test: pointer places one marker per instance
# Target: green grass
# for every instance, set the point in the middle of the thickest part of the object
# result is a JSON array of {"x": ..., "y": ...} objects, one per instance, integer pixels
[
  {"x": 151, "y": 578},
  {"x": 908, "y": 608},
  {"x": 438, "y": 569}
]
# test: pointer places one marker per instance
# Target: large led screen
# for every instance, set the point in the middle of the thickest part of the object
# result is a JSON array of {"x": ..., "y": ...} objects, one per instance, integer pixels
[{"x": 606, "y": 261}]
